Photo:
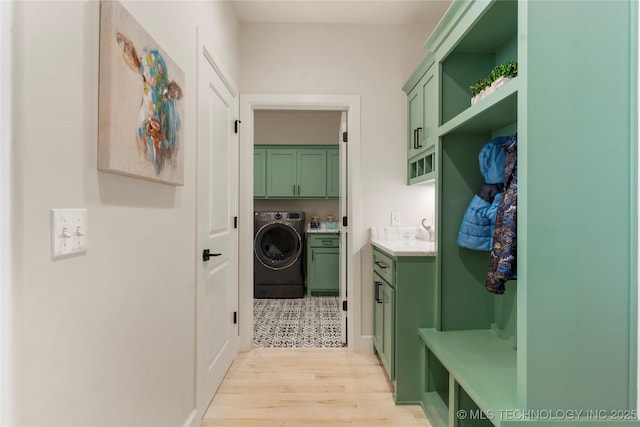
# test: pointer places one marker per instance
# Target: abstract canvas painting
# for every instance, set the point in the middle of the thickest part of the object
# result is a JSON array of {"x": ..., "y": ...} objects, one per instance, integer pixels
[{"x": 141, "y": 102}]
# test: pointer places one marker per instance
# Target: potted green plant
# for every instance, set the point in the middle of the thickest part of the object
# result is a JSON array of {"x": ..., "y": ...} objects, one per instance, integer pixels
[
  {"x": 498, "y": 76},
  {"x": 480, "y": 89},
  {"x": 502, "y": 73}
]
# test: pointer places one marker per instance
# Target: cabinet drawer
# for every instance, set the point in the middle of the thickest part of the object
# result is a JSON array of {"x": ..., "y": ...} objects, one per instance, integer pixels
[
  {"x": 323, "y": 240},
  {"x": 384, "y": 266}
]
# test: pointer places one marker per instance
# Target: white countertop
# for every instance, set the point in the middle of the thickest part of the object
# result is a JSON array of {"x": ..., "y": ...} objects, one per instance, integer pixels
[
  {"x": 402, "y": 241},
  {"x": 403, "y": 247}
]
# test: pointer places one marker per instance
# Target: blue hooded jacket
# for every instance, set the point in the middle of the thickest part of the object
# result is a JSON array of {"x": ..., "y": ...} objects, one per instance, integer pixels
[{"x": 476, "y": 229}]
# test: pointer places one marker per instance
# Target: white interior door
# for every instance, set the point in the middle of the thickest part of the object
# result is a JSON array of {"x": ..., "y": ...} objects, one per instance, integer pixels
[
  {"x": 343, "y": 228},
  {"x": 217, "y": 185}
]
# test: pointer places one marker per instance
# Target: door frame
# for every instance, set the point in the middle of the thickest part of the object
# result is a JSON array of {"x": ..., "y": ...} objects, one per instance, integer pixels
[
  {"x": 356, "y": 237},
  {"x": 7, "y": 338}
]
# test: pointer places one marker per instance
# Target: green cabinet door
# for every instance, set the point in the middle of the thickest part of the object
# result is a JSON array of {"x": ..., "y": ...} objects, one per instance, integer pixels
[
  {"x": 378, "y": 316},
  {"x": 388, "y": 297},
  {"x": 415, "y": 116},
  {"x": 423, "y": 120},
  {"x": 323, "y": 264},
  {"x": 259, "y": 173},
  {"x": 430, "y": 116},
  {"x": 312, "y": 173},
  {"x": 333, "y": 173},
  {"x": 324, "y": 274},
  {"x": 281, "y": 177},
  {"x": 384, "y": 313}
]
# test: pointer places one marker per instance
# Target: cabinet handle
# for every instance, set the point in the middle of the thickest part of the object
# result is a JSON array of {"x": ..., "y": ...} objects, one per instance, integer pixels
[
  {"x": 298, "y": 189},
  {"x": 418, "y": 143},
  {"x": 415, "y": 139},
  {"x": 377, "y": 285},
  {"x": 381, "y": 265},
  {"x": 294, "y": 189}
]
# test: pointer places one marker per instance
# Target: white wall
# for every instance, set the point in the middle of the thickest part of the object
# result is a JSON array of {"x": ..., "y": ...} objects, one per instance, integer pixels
[
  {"x": 106, "y": 338},
  {"x": 372, "y": 61},
  {"x": 296, "y": 127}
]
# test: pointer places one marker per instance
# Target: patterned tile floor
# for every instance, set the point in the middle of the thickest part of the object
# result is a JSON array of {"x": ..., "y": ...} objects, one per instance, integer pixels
[{"x": 297, "y": 322}]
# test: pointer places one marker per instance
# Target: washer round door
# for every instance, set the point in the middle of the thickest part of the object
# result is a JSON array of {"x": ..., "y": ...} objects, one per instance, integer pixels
[{"x": 277, "y": 245}]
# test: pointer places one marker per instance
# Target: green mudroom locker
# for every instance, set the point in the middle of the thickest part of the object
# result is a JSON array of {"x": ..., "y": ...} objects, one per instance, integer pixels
[{"x": 538, "y": 325}]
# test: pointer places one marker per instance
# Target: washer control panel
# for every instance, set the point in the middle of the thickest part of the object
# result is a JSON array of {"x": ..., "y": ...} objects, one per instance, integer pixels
[{"x": 270, "y": 216}]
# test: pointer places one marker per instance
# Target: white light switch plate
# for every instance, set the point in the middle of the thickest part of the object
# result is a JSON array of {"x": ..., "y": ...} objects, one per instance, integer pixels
[
  {"x": 68, "y": 232},
  {"x": 395, "y": 219}
]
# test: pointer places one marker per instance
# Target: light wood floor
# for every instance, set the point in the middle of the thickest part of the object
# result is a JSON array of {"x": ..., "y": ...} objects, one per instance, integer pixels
[{"x": 290, "y": 387}]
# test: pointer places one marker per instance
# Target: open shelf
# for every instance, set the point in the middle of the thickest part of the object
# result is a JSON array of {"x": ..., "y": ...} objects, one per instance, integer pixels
[
  {"x": 481, "y": 363},
  {"x": 490, "y": 113},
  {"x": 436, "y": 407},
  {"x": 491, "y": 41},
  {"x": 435, "y": 394},
  {"x": 494, "y": 29},
  {"x": 422, "y": 168}
]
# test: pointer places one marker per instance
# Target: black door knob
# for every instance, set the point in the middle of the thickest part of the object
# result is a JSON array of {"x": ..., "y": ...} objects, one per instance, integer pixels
[{"x": 206, "y": 254}]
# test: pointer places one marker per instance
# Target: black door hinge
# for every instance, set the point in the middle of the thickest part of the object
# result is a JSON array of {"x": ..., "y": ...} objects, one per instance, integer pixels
[
  {"x": 236, "y": 126},
  {"x": 344, "y": 137},
  {"x": 235, "y": 222},
  {"x": 344, "y": 221},
  {"x": 344, "y": 306},
  {"x": 235, "y": 317}
]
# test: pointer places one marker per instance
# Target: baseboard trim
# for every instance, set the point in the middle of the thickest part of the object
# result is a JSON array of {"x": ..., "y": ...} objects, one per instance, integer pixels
[{"x": 364, "y": 344}]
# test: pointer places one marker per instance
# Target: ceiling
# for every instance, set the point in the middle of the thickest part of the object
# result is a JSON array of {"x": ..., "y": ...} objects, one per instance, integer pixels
[{"x": 400, "y": 12}]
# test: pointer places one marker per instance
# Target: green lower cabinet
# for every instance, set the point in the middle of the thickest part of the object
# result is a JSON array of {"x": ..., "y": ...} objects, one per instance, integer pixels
[
  {"x": 404, "y": 301},
  {"x": 323, "y": 264}
]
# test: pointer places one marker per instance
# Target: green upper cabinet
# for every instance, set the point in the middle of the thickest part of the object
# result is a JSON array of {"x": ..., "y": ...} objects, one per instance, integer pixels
[
  {"x": 259, "y": 173},
  {"x": 282, "y": 173},
  {"x": 422, "y": 121},
  {"x": 312, "y": 173},
  {"x": 429, "y": 88},
  {"x": 333, "y": 173},
  {"x": 422, "y": 114},
  {"x": 296, "y": 172},
  {"x": 416, "y": 119}
]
